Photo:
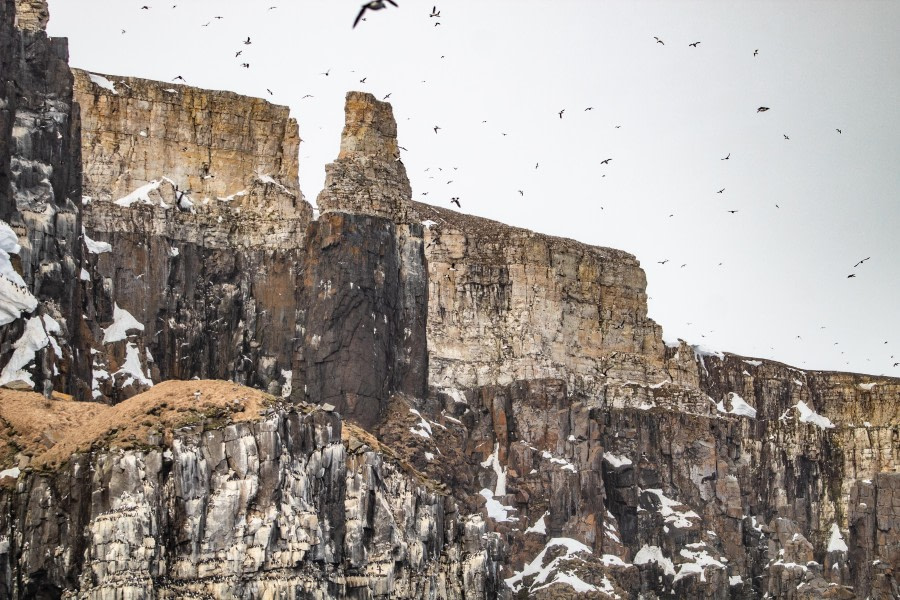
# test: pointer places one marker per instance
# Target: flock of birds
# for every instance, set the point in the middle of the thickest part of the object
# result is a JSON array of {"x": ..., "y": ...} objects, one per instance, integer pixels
[{"x": 377, "y": 5}]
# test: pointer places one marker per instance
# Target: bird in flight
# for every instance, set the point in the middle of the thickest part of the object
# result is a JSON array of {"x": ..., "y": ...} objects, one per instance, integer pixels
[
  {"x": 521, "y": 193},
  {"x": 851, "y": 275},
  {"x": 436, "y": 129},
  {"x": 720, "y": 191},
  {"x": 145, "y": 7},
  {"x": 238, "y": 53},
  {"x": 374, "y": 5},
  {"x": 732, "y": 211},
  {"x": 785, "y": 136},
  {"x": 695, "y": 44},
  {"x": 245, "y": 65},
  {"x": 561, "y": 113},
  {"x": 247, "y": 42},
  {"x": 388, "y": 96},
  {"x": 659, "y": 41},
  {"x": 762, "y": 109},
  {"x": 270, "y": 91},
  {"x": 605, "y": 161},
  {"x": 363, "y": 80},
  {"x": 307, "y": 96},
  {"x": 755, "y": 52},
  {"x": 326, "y": 73},
  {"x": 435, "y": 12},
  {"x": 862, "y": 261},
  {"x": 536, "y": 165},
  {"x": 727, "y": 157},
  {"x": 178, "y": 78},
  {"x": 839, "y": 131},
  {"x": 662, "y": 262},
  {"x": 456, "y": 202}
]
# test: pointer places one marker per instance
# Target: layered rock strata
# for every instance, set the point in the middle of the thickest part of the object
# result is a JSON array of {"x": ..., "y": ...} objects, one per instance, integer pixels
[
  {"x": 41, "y": 338},
  {"x": 194, "y": 194},
  {"x": 208, "y": 489}
]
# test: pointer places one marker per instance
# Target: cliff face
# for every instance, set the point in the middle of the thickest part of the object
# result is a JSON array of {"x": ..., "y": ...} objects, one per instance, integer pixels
[
  {"x": 214, "y": 490},
  {"x": 195, "y": 192},
  {"x": 516, "y": 425},
  {"x": 40, "y": 182}
]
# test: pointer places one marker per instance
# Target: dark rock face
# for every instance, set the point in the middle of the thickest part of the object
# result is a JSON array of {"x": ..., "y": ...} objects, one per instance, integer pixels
[
  {"x": 362, "y": 302},
  {"x": 40, "y": 184}
]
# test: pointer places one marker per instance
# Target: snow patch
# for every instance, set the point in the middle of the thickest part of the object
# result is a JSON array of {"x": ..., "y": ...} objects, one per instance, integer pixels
[
  {"x": 422, "y": 428},
  {"x": 678, "y": 519},
  {"x": 543, "y": 572},
  {"x": 14, "y": 295},
  {"x": 35, "y": 337},
  {"x": 494, "y": 461},
  {"x": 286, "y": 390},
  {"x": 495, "y": 509},
  {"x": 103, "y": 82},
  {"x": 14, "y": 473},
  {"x": 540, "y": 526},
  {"x": 866, "y": 387},
  {"x": 132, "y": 369},
  {"x": 95, "y": 247},
  {"x": 753, "y": 363},
  {"x": 123, "y": 321},
  {"x": 616, "y": 461},
  {"x": 738, "y": 406},
  {"x": 428, "y": 223},
  {"x": 807, "y": 415},
  {"x": 648, "y": 554},
  {"x": 836, "y": 543},
  {"x": 142, "y": 194}
]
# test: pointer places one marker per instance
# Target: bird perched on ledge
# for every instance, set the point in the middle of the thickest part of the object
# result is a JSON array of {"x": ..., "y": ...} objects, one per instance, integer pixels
[{"x": 374, "y": 5}]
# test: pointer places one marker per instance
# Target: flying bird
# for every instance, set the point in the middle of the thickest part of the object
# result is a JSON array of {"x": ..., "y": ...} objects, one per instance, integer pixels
[
  {"x": 851, "y": 275},
  {"x": 720, "y": 191},
  {"x": 326, "y": 73},
  {"x": 695, "y": 44},
  {"x": 727, "y": 157},
  {"x": 785, "y": 136},
  {"x": 732, "y": 211},
  {"x": 145, "y": 7},
  {"x": 374, "y": 5},
  {"x": 536, "y": 165},
  {"x": 521, "y": 193},
  {"x": 388, "y": 96},
  {"x": 178, "y": 78},
  {"x": 270, "y": 91},
  {"x": 605, "y": 161},
  {"x": 245, "y": 65},
  {"x": 755, "y": 52},
  {"x": 238, "y": 53},
  {"x": 762, "y": 109},
  {"x": 589, "y": 108},
  {"x": 659, "y": 41},
  {"x": 436, "y": 129},
  {"x": 247, "y": 42},
  {"x": 456, "y": 202},
  {"x": 662, "y": 262},
  {"x": 435, "y": 12},
  {"x": 839, "y": 131},
  {"x": 862, "y": 261},
  {"x": 363, "y": 80},
  {"x": 561, "y": 113}
]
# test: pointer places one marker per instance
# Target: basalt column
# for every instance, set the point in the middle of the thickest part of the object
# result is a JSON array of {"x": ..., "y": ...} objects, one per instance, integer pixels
[{"x": 363, "y": 299}]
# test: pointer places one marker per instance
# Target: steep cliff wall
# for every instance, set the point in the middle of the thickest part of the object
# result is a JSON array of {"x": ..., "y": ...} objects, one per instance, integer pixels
[
  {"x": 208, "y": 489},
  {"x": 194, "y": 194},
  {"x": 41, "y": 339}
]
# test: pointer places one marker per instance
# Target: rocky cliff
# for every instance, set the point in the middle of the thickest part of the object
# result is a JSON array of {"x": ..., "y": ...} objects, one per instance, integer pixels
[{"x": 512, "y": 423}]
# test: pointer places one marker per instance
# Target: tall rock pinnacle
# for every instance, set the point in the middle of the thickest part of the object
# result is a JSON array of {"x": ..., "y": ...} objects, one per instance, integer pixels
[{"x": 368, "y": 176}]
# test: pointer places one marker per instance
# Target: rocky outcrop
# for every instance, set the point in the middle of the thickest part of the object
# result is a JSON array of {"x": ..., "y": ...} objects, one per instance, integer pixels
[
  {"x": 214, "y": 490},
  {"x": 41, "y": 341},
  {"x": 194, "y": 194}
]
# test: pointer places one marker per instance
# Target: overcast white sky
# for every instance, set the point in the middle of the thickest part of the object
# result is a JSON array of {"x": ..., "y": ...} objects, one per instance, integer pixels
[{"x": 769, "y": 280}]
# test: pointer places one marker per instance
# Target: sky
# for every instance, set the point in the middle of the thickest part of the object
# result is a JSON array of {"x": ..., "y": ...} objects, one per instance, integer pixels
[{"x": 769, "y": 280}]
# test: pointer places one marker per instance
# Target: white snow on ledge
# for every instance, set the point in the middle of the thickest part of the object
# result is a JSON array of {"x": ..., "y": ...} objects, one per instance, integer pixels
[
  {"x": 866, "y": 387},
  {"x": 648, "y": 554},
  {"x": 496, "y": 509},
  {"x": 836, "y": 543},
  {"x": 807, "y": 415},
  {"x": 95, "y": 247},
  {"x": 35, "y": 337},
  {"x": 14, "y": 295},
  {"x": 543, "y": 573},
  {"x": 615, "y": 460},
  {"x": 103, "y": 82},
  {"x": 738, "y": 406},
  {"x": 132, "y": 369},
  {"x": 540, "y": 526},
  {"x": 142, "y": 194},
  {"x": 678, "y": 519},
  {"x": 123, "y": 321}
]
